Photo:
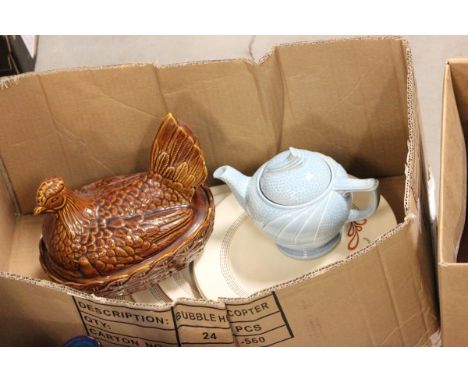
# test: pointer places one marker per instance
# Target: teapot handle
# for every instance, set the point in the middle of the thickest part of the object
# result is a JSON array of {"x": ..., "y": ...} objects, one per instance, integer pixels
[{"x": 360, "y": 185}]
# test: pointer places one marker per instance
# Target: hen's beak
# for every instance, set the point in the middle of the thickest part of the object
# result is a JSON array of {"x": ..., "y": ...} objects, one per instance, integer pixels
[{"x": 38, "y": 210}]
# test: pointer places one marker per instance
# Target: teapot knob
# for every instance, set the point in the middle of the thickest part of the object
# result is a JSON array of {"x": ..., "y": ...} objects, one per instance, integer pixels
[{"x": 294, "y": 153}]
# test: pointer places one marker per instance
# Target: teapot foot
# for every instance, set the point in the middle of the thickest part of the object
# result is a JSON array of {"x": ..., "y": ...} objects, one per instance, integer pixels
[{"x": 310, "y": 253}]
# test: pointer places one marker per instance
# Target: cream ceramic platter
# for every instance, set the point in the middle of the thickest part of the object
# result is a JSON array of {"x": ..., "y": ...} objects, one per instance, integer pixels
[
  {"x": 181, "y": 284},
  {"x": 239, "y": 260}
]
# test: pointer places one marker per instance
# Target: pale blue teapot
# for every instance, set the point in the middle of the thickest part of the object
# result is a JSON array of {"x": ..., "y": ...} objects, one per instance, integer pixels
[{"x": 301, "y": 200}]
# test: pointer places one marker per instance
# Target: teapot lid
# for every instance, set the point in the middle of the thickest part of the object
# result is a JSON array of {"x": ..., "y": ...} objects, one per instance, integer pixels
[{"x": 295, "y": 177}]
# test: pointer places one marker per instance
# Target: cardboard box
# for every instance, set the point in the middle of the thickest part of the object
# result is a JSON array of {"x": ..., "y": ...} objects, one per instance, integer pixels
[
  {"x": 353, "y": 99},
  {"x": 453, "y": 233}
]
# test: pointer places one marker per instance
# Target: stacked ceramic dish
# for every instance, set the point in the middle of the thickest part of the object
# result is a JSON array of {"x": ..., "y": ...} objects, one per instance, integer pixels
[{"x": 239, "y": 260}]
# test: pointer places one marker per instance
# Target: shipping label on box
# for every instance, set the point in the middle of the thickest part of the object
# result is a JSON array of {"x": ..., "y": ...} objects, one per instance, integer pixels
[{"x": 257, "y": 323}]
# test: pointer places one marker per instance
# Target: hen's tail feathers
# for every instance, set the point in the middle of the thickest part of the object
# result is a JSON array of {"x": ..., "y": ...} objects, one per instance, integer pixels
[{"x": 176, "y": 155}]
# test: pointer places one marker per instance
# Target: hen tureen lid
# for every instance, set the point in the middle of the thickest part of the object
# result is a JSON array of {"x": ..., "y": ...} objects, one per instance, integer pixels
[{"x": 295, "y": 177}]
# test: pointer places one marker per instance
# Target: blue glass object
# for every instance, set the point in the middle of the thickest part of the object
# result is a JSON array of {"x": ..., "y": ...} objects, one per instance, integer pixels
[{"x": 82, "y": 341}]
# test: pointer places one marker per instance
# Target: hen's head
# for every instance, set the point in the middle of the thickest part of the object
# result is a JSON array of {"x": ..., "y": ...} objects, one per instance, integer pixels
[{"x": 51, "y": 196}]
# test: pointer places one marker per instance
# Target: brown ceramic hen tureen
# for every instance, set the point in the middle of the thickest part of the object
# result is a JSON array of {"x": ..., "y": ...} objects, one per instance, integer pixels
[{"x": 124, "y": 233}]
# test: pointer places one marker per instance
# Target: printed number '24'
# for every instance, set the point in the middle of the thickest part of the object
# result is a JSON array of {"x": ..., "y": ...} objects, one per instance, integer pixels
[{"x": 209, "y": 336}]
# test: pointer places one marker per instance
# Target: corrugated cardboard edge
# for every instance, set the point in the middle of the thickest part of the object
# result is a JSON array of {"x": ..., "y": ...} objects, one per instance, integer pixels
[
  {"x": 413, "y": 134},
  {"x": 8, "y": 81}
]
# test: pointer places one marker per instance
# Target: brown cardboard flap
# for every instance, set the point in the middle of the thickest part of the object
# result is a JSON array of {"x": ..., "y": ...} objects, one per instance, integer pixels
[
  {"x": 393, "y": 190},
  {"x": 377, "y": 298},
  {"x": 346, "y": 99},
  {"x": 452, "y": 203},
  {"x": 27, "y": 308},
  {"x": 349, "y": 103},
  {"x": 390, "y": 295}
]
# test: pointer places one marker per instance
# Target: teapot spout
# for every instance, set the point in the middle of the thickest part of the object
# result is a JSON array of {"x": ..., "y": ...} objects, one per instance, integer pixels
[{"x": 235, "y": 180}]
